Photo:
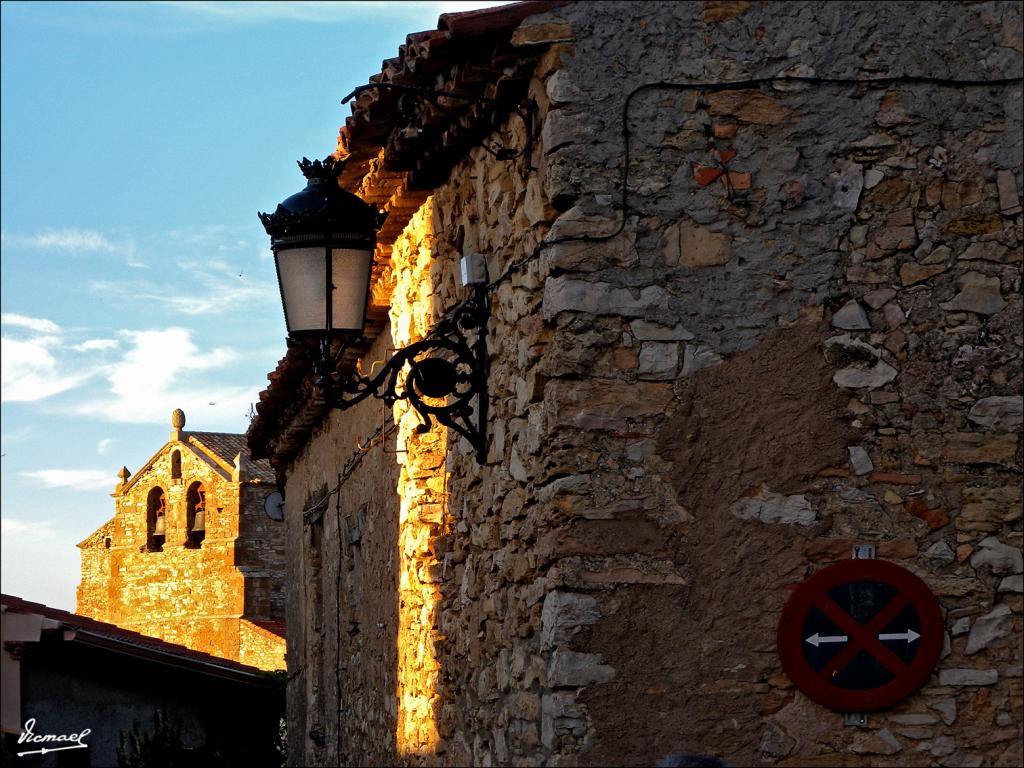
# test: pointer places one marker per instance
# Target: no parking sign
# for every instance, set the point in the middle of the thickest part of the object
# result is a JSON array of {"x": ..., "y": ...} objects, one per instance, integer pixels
[{"x": 860, "y": 635}]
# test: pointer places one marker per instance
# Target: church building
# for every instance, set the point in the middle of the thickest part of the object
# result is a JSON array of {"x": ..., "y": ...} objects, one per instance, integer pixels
[{"x": 191, "y": 555}]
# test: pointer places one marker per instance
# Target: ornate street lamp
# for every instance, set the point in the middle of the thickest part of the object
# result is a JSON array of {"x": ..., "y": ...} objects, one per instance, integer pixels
[{"x": 323, "y": 239}]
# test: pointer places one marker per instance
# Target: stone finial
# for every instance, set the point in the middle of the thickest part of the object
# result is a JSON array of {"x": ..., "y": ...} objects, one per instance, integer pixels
[
  {"x": 178, "y": 418},
  {"x": 123, "y": 476}
]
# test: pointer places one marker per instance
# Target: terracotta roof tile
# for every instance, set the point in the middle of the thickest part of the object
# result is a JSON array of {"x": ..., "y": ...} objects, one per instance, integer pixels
[{"x": 227, "y": 445}]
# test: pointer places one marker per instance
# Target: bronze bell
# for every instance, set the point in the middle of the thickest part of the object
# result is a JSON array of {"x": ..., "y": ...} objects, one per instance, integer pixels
[
  {"x": 199, "y": 526},
  {"x": 160, "y": 528}
]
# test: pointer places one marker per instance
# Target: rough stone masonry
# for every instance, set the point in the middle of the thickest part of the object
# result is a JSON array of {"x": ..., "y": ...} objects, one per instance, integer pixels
[
  {"x": 805, "y": 334},
  {"x": 222, "y": 594}
]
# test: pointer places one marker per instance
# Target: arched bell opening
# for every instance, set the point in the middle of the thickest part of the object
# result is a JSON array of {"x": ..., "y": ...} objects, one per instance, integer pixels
[
  {"x": 195, "y": 516},
  {"x": 156, "y": 519}
]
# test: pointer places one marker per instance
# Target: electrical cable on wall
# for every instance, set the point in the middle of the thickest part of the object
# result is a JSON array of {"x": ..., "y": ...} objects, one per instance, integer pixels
[
  {"x": 625, "y": 204},
  {"x": 310, "y": 513},
  {"x": 731, "y": 85}
]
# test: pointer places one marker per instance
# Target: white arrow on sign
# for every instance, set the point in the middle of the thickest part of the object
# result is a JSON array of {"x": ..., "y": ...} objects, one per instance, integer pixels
[
  {"x": 910, "y": 636},
  {"x": 817, "y": 639}
]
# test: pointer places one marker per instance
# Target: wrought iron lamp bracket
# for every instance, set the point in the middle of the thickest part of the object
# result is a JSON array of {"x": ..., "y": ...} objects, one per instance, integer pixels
[{"x": 440, "y": 376}]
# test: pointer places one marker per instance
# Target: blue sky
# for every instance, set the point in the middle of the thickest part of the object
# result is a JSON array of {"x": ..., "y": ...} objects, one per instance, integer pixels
[{"x": 138, "y": 142}]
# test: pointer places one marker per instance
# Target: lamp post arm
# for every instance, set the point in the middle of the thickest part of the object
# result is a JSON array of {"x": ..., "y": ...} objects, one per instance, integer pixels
[{"x": 446, "y": 372}]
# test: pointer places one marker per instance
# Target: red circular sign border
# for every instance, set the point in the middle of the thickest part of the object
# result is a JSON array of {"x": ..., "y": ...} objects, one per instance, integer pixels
[{"x": 790, "y": 631}]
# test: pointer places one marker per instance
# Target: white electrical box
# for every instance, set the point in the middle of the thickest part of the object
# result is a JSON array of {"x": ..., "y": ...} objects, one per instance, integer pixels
[{"x": 474, "y": 269}]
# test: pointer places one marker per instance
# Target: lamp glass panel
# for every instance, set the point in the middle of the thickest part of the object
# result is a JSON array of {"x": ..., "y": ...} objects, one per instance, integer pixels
[
  {"x": 302, "y": 273},
  {"x": 350, "y": 271}
]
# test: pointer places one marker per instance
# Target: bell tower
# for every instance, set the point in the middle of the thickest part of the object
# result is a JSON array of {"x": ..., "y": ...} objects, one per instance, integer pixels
[{"x": 190, "y": 556}]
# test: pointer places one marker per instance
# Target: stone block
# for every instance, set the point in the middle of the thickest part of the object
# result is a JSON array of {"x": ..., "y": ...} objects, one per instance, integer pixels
[
  {"x": 716, "y": 11},
  {"x": 868, "y": 370},
  {"x": 749, "y": 107},
  {"x": 535, "y": 31},
  {"x": 658, "y": 361},
  {"x": 872, "y": 177},
  {"x": 878, "y": 375},
  {"x": 979, "y": 448},
  {"x": 993, "y": 626},
  {"x": 978, "y": 293},
  {"x": 565, "y": 614},
  {"x": 1009, "y": 202},
  {"x": 570, "y": 669},
  {"x": 592, "y": 403},
  {"x": 561, "y": 89},
  {"x": 645, "y": 331},
  {"x": 986, "y": 509},
  {"x": 851, "y": 317},
  {"x": 898, "y": 238},
  {"x": 567, "y": 127},
  {"x": 879, "y": 298},
  {"x": 880, "y": 742},
  {"x": 697, "y": 356},
  {"x": 997, "y": 557},
  {"x": 847, "y": 184},
  {"x": 686, "y": 244},
  {"x": 990, "y": 250},
  {"x": 525, "y": 705},
  {"x": 888, "y": 193},
  {"x": 933, "y": 517},
  {"x": 1013, "y": 583},
  {"x": 960, "y": 677},
  {"x": 860, "y": 462},
  {"x": 581, "y": 256},
  {"x": 567, "y": 294},
  {"x": 999, "y": 414},
  {"x": 912, "y": 273},
  {"x": 946, "y": 709},
  {"x": 913, "y": 718},
  {"x": 894, "y": 317},
  {"x": 975, "y": 224},
  {"x": 770, "y": 507},
  {"x": 559, "y": 711}
]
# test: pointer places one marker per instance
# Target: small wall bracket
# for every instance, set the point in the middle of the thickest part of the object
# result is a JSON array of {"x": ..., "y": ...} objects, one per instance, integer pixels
[
  {"x": 863, "y": 552},
  {"x": 856, "y": 719}
]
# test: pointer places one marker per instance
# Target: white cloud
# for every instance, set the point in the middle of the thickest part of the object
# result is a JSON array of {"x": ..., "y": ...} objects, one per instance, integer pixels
[
  {"x": 39, "y": 561},
  {"x": 33, "y": 368},
  {"x": 26, "y": 529},
  {"x": 77, "y": 240},
  {"x": 161, "y": 372},
  {"x": 93, "y": 345},
  {"x": 77, "y": 479},
  {"x": 38, "y": 324},
  {"x": 29, "y": 371},
  {"x": 103, "y": 446},
  {"x": 216, "y": 288}
]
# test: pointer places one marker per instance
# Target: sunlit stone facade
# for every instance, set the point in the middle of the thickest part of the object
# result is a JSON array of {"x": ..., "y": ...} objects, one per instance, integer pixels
[{"x": 216, "y": 587}]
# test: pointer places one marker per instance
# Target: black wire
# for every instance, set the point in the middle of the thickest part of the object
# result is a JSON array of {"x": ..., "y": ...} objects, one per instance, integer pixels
[{"x": 725, "y": 86}]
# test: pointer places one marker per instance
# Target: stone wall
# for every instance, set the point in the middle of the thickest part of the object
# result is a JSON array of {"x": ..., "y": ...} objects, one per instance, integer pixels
[
  {"x": 754, "y": 376},
  {"x": 261, "y": 646},
  {"x": 193, "y": 596},
  {"x": 756, "y": 369},
  {"x": 342, "y": 577}
]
